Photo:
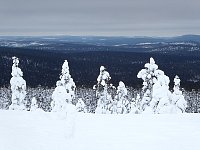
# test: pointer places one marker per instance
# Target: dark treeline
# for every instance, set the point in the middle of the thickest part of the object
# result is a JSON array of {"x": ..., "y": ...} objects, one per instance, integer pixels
[{"x": 42, "y": 67}]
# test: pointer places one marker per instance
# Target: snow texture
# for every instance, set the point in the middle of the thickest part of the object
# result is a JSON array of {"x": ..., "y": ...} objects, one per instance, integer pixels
[{"x": 21, "y": 130}]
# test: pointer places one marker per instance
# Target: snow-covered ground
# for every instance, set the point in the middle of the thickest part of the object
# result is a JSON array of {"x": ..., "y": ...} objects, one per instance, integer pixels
[{"x": 21, "y": 130}]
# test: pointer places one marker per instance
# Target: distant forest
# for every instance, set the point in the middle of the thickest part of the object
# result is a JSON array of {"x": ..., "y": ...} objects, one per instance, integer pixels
[{"x": 42, "y": 67}]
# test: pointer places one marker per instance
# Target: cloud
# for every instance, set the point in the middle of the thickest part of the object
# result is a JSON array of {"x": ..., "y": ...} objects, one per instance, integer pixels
[{"x": 100, "y": 17}]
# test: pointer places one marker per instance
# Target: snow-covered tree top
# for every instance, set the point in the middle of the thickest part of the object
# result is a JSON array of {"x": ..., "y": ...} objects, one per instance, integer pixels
[
  {"x": 121, "y": 88},
  {"x": 15, "y": 61},
  {"x": 152, "y": 61},
  {"x": 33, "y": 101},
  {"x": 16, "y": 71},
  {"x": 149, "y": 70},
  {"x": 177, "y": 81},
  {"x": 65, "y": 67},
  {"x": 102, "y": 68},
  {"x": 151, "y": 66},
  {"x": 151, "y": 74},
  {"x": 121, "y": 84},
  {"x": 65, "y": 75},
  {"x": 176, "y": 88},
  {"x": 103, "y": 77}
]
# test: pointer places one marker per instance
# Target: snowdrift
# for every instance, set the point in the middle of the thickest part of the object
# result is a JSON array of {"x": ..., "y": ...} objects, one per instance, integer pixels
[{"x": 21, "y": 130}]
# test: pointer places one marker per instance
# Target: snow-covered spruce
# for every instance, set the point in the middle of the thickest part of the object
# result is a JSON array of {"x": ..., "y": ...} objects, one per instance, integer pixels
[
  {"x": 104, "y": 98},
  {"x": 62, "y": 97},
  {"x": 34, "y": 105},
  {"x": 161, "y": 96},
  {"x": 136, "y": 105},
  {"x": 147, "y": 75},
  {"x": 156, "y": 94},
  {"x": 59, "y": 98},
  {"x": 123, "y": 104},
  {"x": 68, "y": 81},
  {"x": 178, "y": 99},
  {"x": 64, "y": 92},
  {"x": 18, "y": 87}
]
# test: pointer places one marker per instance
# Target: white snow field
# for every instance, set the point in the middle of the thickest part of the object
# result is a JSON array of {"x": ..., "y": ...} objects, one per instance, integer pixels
[{"x": 21, "y": 130}]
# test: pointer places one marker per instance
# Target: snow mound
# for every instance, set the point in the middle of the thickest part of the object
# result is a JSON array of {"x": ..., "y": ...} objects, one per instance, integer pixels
[{"x": 20, "y": 130}]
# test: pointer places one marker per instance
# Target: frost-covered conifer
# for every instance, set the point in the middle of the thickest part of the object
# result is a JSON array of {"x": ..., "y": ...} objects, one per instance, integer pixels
[
  {"x": 80, "y": 106},
  {"x": 148, "y": 77},
  {"x": 123, "y": 105},
  {"x": 18, "y": 87},
  {"x": 178, "y": 99},
  {"x": 60, "y": 97},
  {"x": 113, "y": 108},
  {"x": 63, "y": 96},
  {"x": 65, "y": 90},
  {"x": 135, "y": 105},
  {"x": 161, "y": 96},
  {"x": 67, "y": 81},
  {"x": 34, "y": 105},
  {"x": 104, "y": 98},
  {"x": 156, "y": 98}
]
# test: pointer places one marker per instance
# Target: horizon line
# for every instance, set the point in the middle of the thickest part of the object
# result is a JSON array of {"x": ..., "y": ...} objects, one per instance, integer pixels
[{"x": 125, "y": 36}]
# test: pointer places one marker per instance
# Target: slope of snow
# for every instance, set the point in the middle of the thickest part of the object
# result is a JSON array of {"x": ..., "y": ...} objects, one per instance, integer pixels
[{"x": 48, "y": 131}]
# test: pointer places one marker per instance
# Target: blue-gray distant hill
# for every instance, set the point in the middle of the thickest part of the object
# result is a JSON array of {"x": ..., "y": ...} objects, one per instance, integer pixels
[{"x": 41, "y": 58}]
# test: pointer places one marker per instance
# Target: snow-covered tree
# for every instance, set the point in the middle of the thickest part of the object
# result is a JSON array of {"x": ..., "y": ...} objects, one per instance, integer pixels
[
  {"x": 148, "y": 77},
  {"x": 63, "y": 96},
  {"x": 34, "y": 105},
  {"x": 104, "y": 98},
  {"x": 135, "y": 105},
  {"x": 156, "y": 94},
  {"x": 178, "y": 99},
  {"x": 80, "y": 106},
  {"x": 64, "y": 92},
  {"x": 18, "y": 87},
  {"x": 123, "y": 104},
  {"x": 113, "y": 108},
  {"x": 161, "y": 96},
  {"x": 67, "y": 81},
  {"x": 60, "y": 97}
]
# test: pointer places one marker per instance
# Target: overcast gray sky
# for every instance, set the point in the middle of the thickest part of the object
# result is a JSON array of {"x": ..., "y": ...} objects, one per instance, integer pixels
[{"x": 100, "y": 17}]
